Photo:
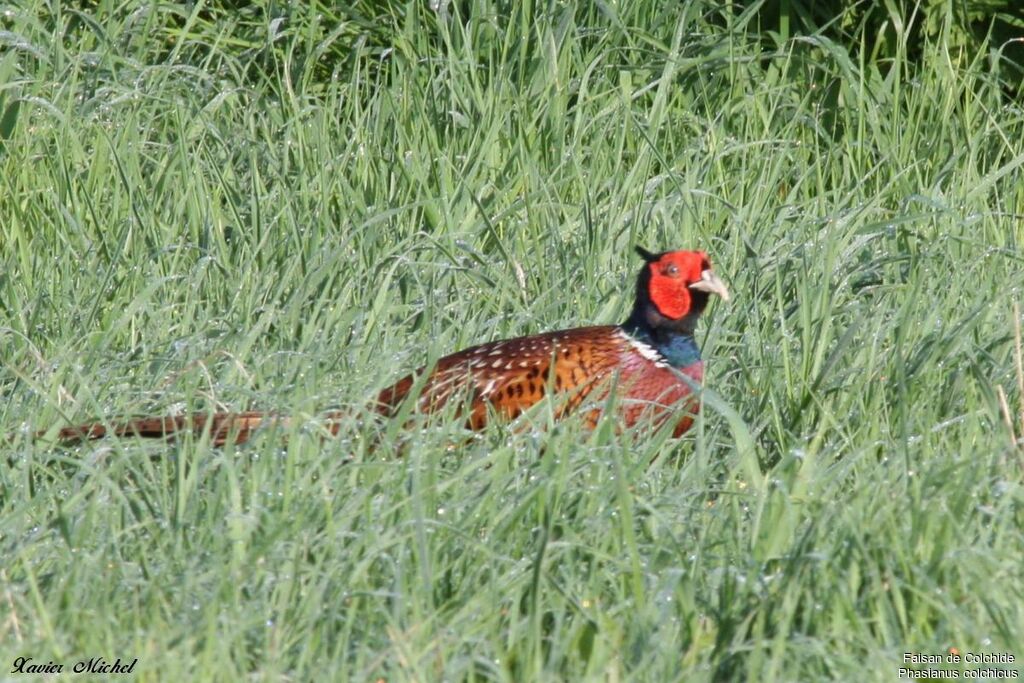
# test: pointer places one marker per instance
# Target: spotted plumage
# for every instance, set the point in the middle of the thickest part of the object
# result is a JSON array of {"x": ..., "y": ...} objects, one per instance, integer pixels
[{"x": 651, "y": 361}]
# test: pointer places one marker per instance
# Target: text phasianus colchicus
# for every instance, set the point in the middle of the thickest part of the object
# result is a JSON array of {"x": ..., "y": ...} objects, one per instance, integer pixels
[{"x": 651, "y": 361}]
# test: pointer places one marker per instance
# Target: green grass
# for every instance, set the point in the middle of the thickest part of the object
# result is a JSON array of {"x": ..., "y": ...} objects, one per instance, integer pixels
[{"x": 243, "y": 212}]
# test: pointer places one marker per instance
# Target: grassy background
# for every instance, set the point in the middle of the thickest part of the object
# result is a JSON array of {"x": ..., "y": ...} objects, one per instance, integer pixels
[{"x": 289, "y": 208}]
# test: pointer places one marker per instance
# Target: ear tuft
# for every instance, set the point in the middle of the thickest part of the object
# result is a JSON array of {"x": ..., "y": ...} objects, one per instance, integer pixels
[{"x": 646, "y": 255}]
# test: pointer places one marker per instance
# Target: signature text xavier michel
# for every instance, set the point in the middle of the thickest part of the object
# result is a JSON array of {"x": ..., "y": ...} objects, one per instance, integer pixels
[{"x": 93, "y": 665}]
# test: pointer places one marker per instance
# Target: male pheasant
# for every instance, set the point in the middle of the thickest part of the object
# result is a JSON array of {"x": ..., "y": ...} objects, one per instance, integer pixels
[{"x": 651, "y": 360}]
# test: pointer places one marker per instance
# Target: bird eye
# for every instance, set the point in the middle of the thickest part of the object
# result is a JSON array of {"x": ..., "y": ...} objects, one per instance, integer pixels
[{"x": 672, "y": 270}]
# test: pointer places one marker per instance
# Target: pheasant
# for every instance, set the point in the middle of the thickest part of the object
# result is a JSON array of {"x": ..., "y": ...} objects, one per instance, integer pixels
[{"x": 651, "y": 361}]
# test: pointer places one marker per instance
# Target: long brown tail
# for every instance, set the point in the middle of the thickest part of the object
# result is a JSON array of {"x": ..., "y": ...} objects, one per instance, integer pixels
[{"x": 224, "y": 427}]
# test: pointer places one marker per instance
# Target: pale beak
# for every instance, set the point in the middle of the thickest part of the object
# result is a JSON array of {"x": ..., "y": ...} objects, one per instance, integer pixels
[{"x": 710, "y": 283}]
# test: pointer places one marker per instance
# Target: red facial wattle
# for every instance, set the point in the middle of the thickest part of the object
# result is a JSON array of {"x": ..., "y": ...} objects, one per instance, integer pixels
[{"x": 672, "y": 276}]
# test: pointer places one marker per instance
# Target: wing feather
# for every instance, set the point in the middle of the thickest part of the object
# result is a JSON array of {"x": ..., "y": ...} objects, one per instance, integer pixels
[{"x": 511, "y": 375}]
